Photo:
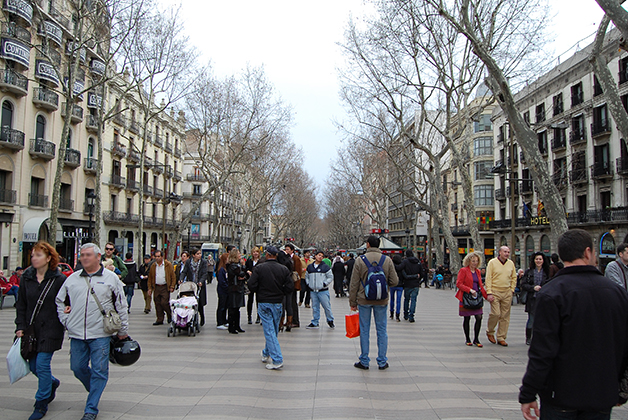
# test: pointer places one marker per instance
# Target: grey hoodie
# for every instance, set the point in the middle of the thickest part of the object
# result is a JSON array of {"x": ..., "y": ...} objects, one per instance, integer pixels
[{"x": 85, "y": 322}]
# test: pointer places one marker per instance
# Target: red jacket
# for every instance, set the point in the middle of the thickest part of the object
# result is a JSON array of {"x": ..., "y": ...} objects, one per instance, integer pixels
[{"x": 465, "y": 282}]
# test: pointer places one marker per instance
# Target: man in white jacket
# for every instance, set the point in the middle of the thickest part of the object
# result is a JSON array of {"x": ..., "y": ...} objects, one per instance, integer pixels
[{"x": 79, "y": 313}]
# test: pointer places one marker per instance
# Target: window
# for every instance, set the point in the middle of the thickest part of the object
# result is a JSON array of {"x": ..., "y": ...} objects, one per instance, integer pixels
[
  {"x": 602, "y": 158},
  {"x": 7, "y": 114},
  {"x": 558, "y": 104},
  {"x": 114, "y": 202},
  {"x": 542, "y": 136},
  {"x": 116, "y": 168},
  {"x": 577, "y": 128},
  {"x": 600, "y": 120},
  {"x": 577, "y": 94},
  {"x": 560, "y": 138},
  {"x": 68, "y": 144},
  {"x": 445, "y": 183},
  {"x": 540, "y": 113},
  {"x": 483, "y": 195},
  {"x": 484, "y": 124},
  {"x": 196, "y": 189},
  {"x": 40, "y": 127},
  {"x": 483, "y": 169},
  {"x": 90, "y": 148},
  {"x": 597, "y": 88},
  {"x": 129, "y": 205},
  {"x": 481, "y": 146},
  {"x": 526, "y": 117},
  {"x": 623, "y": 70}
]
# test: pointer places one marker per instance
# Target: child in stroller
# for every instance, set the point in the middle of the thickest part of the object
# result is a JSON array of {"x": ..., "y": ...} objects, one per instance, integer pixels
[{"x": 185, "y": 310}]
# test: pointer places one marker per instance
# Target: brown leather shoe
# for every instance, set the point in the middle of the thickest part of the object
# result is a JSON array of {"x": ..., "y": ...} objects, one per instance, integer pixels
[
  {"x": 491, "y": 338},
  {"x": 502, "y": 343}
]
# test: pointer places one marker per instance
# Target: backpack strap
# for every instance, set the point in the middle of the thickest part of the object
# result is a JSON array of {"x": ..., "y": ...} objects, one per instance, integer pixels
[{"x": 381, "y": 261}]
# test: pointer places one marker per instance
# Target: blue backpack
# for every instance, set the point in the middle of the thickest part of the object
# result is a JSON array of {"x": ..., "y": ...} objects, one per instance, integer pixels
[{"x": 376, "y": 287}]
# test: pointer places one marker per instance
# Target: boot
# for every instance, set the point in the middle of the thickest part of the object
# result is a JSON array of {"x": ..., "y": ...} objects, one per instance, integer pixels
[
  {"x": 398, "y": 320},
  {"x": 392, "y": 314},
  {"x": 528, "y": 335},
  {"x": 41, "y": 407},
  {"x": 289, "y": 324}
]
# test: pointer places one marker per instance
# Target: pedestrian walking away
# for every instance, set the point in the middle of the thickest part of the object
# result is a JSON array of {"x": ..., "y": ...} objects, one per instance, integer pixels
[
  {"x": 470, "y": 281},
  {"x": 412, "y": 273},
  {"x": 396, "y": 293},
  {"x": 271, "y": 282},
  {"x": 579, "y": 343},
  {"x": 338, "y": 271},
  {"x": 80, "y": 314},
  {"x": 501, "y": 281},
  {"x": 131, "y": 279},
  {"x": 371, "y": 269},
  {"x": 41, "y": 281},
  {"x": 318, "y": 278}
]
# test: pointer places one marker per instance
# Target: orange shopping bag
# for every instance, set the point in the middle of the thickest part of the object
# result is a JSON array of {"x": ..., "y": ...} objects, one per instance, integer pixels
[{"x": 352, "y": 323}]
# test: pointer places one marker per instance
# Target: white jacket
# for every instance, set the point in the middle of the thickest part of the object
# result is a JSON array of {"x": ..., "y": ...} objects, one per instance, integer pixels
[{"x": 85, "y": 321}]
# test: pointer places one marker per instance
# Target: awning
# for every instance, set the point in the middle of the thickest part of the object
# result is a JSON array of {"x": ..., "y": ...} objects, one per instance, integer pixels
[{"x": 32, "y": 229}]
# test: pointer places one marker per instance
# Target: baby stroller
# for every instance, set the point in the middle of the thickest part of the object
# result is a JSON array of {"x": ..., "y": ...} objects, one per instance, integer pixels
[{"x": 185, "y": 311}]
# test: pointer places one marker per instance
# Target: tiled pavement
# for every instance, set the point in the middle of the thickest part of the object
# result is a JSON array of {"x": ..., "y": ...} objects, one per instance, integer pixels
[{"x": 215, "y": 375}]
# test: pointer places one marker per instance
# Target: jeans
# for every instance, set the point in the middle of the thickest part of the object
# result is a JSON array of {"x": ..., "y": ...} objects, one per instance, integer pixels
[
  {"x": 221, "y": 311},
  {"x": 379, "y": 313},
  {"x": 321, "y": 298},
  {"x": 12, "y": 291},
  {"x": 93, "y": 378},
  {"x": 304, "y": 294},
  {"x": 409, "y": 302},
  {"x": 40, "y": 366},
  {"x": 128, "y": 292},
  {"x": 399, "y": 291},
  {"x": 530, "y": 322},
  {"x": 270, "y": 315},
  {"x": 549, "y": 412}
]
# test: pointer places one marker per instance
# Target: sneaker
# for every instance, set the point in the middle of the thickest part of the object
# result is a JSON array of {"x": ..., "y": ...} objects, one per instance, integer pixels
[
  {"x": 273, "y": 366},
  {"x": 89, "y": 416},
  {"x": 312, "y": 327},
  {"x": 359, "y": 365},
  {"x": 386, "y": 366},
  {"x": 222, "y": 327},
  {"x": 265, "y": 359},
  {"x": 53, "y": 391},
  {"x": 331, "y": 324}
]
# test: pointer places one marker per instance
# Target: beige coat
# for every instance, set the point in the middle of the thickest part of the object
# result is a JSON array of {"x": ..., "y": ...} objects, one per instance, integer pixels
[{"x": 356, "y": 290}]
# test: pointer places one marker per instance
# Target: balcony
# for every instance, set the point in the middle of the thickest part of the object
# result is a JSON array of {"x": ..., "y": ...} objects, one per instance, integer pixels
[
  {"x": 158, "y": 141},
  {"x": 119, "y": 119},
  {"x": 117, "y": 181},
  {"x": 158, "y": 167},
  {"x": 77, "y": 113},
  {"x": 133, "y": 156},
  {"x": 601, "y": 170},
  {"x": 175, "y": 198},
  {"x": 37, "y": 200},
  {"x": 159, "y": 193},
  {"x": 527, "y": 187},
  {"x": 133, "y": 185},
  {"x": 46, "y": 99},
  {"x": 559, "y": 179},
  {"x": 168, "y": 147},
  {"x": 516, "y": 190},
  {"x": 511, "y": 162},
  {"x": 558, "y": 109},
  {"x": 148, "y": 162},
  {"x": 578, "y": 176},
  {"x": 13, "y": 82},
  {"x": 577, "y": 137},
  {"x": 72, "y": 158},
  {"x": 8, "y": 196},
  {"x": 118, "y": 149},
  {"x": 148, "y": 190},
  {"x": 65, "y": 204},
  {"x": 176, "y": 176},
  {"x": 90, "y": 165},
  {"x": 11, "y": 139},
  {"x": 43, "y": 149},
  {"x": 177, "y": 152},
  {"x": 196, "y": 177},
  {"x": 120, "y": 218},
  {"x": 21, "y": 8},
  {"x": 168, "y": 172},
  {"x": 500, "y": 194},
  {"x": 600, "y": 128},
  {"x": 559, "y": 143},
  {"x": 92, "y": 123},
  {"x": 577, "y": 97},
  {"x": 622, "y": 165},
  {"x": 134, "y": 127}
]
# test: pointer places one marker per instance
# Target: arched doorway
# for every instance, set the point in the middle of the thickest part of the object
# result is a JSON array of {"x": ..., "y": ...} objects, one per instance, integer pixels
[
  {"x": 546, "y": 245},
  {"x": 113, "y": 234},
  {"x": 129, "y": 238},
  {"x": 153, "y": 241}
]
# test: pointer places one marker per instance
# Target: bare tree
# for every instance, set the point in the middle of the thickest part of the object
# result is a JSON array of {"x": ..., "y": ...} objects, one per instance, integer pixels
[{"x": 615, "y": 11}]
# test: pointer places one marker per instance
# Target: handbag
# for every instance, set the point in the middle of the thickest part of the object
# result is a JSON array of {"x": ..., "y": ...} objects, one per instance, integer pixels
[
  {"x": 16, "y": 365},
  {"x": 352, "y": 324},
  {"x": 111, "y": 321},
  {"x": 28, "y": 348},
  {"x": 471, "y": 302}
]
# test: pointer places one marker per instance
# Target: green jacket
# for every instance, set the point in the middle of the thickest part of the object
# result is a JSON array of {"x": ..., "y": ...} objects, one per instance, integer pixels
[{"x": 120, "y": 265}]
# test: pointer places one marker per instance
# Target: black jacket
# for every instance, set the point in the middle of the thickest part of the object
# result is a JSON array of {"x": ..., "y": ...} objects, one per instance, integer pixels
[
  {"x": 338, "y": 270},
  {"x": 48, "y": 328},
  {"x": 143, "y": 271},
  {"x": 350, "y": 263},
  {"x": 271, "y": 281},
  {"x": 201, "y": 277},
  {"x": 580, "y": 342},
  {"x": 411, "y": 272},
  {"x": 132, "y": 277},
  {"x": 527, "y": 285}
]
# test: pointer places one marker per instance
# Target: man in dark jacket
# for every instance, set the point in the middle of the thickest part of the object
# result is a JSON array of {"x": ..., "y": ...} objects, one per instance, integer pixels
[
  {"x": 142, "y": 273},
  {"x": 349, "y": 264},
  {"x": 130, "y": 279},
  {"x": 580, "y": 341},
  {"x": 412, "y": 273},
  {"x": 271, "y": 282}
]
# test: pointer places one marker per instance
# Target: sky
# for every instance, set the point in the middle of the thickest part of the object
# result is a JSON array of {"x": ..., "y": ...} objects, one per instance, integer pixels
[{"x": 297, "y": 44}]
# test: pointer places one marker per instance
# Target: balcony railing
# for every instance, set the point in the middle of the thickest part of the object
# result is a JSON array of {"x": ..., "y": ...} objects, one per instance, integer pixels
[
  {"x": 119, "y": 217},
  {"x": 72, "y": 158},
  {"x": 16, "y": 31},
  {"x": 578, "y": 176},
  {"x": 158, "y": 141},
  {"x": 8, "y": 196},
  {"x": 134, "y": 127},
  {"x": 66, "y": 204},
  {"x": 159, "y": 193},
  {"x": 133, "y": 155},
  {"x": 454, "y": 207},
  {"x": 516, "y": 190},
  {"x": 148, "y": 190},
  {"x": 577, "y": 137},
  {"x": 77, "y": 113},
  {"x": 37, "y": 200},
  {"x": 177, "y": 152},
  {"x": 132, "y": 185},
  {"x": 601, "y": 170},
  {"x": 169, "y": 172},
  {"x": 599, "y": 128},
  {"x": 43, "y": 149},
  {"x": 527, "y": 187},
  {"x": 560, "y": 179},
  {"x": 92, "y": 123},
  {"x": 196, "y": 177},
  {"x": 148, "y": 162},
  {"x": 175, "y": 198},
  {"x": 177, "y": 175},
  {"x": 500, "y": 194},
  {"x": 622, "y": 165},
  {"x": 120, "y": 120},
  {"x": 11, "y": 139},
  {"x": 158, "y": 167},
  {"x": 118, "y": 149},
  {"x": 559, "y": 143},
  {"x": 168, "y": 147},
  {"x": 45, "y": 98},
  {"x": 90, "y": 165},
  {"x": 13, "y": 82},
  {"x": 117, "y": 181}
]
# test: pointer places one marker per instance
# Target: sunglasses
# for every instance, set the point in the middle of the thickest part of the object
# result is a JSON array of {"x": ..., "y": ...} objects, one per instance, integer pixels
[{"x": 108, "y": 249}]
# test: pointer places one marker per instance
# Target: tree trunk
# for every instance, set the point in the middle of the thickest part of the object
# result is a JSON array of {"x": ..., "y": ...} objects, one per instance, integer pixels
[{"x": 617, "y": 14}]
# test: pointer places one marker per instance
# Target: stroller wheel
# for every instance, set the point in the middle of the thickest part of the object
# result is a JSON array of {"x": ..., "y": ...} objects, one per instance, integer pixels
[{"x": 189, "y": 331}]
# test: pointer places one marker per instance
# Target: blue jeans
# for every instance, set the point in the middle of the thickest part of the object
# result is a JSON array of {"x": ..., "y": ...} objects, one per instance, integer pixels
[
  {"x": 270, "y": 315},
  {"x": 12, "y": 291},
  {"x": 93, "y": 378},
  {"x": 549, "y": 412},
  {"x": 530, "y": 322},
  {"x": 128, "y": 292},
  {"x": 409, "y": 302},
  {"x": 379, "y": 313},
  {"x": 321, "y": 298},
  {"x": 399, "y": 291},
  {"x": 40, "y": 366}
]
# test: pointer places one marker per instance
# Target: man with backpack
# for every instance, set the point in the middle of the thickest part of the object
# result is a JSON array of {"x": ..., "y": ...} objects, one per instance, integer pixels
[{"x": 373, "y": 274}]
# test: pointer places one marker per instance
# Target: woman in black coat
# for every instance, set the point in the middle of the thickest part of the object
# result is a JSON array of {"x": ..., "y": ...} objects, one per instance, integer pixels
[
  {"x": 532, "y": 281},
  {"x": 48, "y": 330},
  {"x": 338, "y": 270},
  {"x": 236, "y": 278},
  {"x": 196, "y": 270}
]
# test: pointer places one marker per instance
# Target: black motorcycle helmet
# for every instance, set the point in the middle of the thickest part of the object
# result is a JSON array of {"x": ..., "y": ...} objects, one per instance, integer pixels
[{"x": 124, "y": 352}]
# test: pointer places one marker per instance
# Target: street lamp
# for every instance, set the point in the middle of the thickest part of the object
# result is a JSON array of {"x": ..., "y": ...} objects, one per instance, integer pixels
[{"x": 91, "y": 198}]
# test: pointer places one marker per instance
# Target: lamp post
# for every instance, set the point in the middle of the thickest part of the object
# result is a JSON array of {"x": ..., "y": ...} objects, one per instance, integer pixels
[{"x": 91, "y": 197}]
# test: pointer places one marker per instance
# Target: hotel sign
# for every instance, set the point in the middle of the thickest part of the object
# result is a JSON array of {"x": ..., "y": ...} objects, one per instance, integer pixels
[
  {"x": 45, "y": 70},
  {"x": 539, "y": 221},
  {"x": 21, "y": 8},
  {"x": 15, "y": 50},
  {"x": 93, "y": 100},
  {"x": 52, "y": 31}
]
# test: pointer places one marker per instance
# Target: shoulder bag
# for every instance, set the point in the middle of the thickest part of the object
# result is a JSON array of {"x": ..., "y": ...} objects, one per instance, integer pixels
[
  {"x": 111, "y": 321},
  {"x": 471, "y": 302},
  {"x": 28, "y": 349}
]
